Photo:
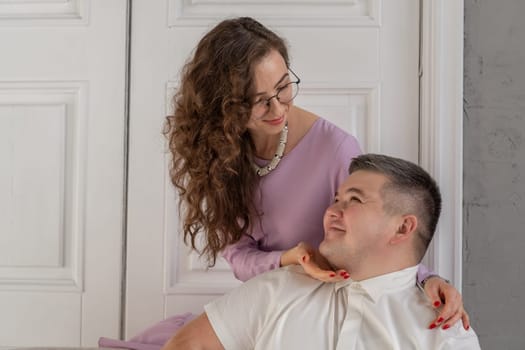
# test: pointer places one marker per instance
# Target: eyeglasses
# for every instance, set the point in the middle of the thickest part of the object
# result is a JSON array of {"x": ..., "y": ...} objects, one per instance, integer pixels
[{"x": 285, "y": 94}]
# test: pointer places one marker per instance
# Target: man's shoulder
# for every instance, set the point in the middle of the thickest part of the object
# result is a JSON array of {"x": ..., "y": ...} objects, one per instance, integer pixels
[
  {"x": 285, "y": 278},
  {"x": 290, "y": 273},
  {"x": 412, "y": 307}
]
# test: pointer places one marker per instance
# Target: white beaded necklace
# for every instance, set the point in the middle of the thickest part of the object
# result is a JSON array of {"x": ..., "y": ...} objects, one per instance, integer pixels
[{"x": 278, "y": 154}]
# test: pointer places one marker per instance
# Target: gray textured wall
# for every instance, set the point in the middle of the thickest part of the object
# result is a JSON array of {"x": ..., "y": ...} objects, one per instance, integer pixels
[{"x": 494, "y": 171}]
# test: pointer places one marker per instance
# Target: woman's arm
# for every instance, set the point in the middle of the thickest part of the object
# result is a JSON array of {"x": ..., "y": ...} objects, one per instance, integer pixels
[
  {"x": 247, "y": 260},
  {"x": 443, "y": 296}
]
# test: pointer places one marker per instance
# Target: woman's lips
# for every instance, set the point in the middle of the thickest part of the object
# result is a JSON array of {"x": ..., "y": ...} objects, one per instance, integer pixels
[{"x": 275, "y": 121}]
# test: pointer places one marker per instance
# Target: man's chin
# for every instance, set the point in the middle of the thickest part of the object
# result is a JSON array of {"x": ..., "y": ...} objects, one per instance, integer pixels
[
  {"x": 324, "y": 248},
  {"x": 331, "y": 238},
  {"x": 330, "y": 250}
]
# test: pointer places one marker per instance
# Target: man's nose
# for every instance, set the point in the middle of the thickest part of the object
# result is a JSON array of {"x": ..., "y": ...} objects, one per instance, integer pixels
[{"x": 334, "y": 210}]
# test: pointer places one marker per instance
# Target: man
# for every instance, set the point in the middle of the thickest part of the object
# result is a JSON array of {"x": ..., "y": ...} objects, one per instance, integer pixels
[{"x": 378, "y": 230}]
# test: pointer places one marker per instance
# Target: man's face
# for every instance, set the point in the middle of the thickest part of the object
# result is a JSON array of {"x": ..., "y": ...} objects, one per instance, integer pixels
[{"x": 357, "y": 230}]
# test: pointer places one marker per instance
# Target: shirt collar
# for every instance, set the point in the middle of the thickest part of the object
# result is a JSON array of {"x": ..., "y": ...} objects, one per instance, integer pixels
[{"x": 375, "y": 287}]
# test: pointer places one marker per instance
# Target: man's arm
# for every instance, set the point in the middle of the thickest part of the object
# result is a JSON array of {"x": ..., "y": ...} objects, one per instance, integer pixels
[{"x": 196, "y": 335}]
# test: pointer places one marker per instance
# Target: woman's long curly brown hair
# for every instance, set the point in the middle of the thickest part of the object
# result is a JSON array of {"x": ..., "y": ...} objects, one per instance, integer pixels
[{"x": 211, "y": 149}]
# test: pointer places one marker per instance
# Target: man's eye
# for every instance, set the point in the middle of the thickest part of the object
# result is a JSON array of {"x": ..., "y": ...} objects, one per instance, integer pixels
[{"x": 355, "y": 199}]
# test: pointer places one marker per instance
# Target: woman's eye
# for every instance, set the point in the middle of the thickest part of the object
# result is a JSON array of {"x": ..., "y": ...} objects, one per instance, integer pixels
[{"x": 284, "y": 86}]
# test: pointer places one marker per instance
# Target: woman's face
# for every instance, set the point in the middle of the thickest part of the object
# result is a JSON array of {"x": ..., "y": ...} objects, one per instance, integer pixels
[{"x": 268, "y": 114}]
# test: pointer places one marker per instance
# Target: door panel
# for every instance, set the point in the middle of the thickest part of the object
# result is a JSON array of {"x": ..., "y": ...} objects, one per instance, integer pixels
[
  {"x": 358, "y": 63},
  {"x": 62, "y": 96}
]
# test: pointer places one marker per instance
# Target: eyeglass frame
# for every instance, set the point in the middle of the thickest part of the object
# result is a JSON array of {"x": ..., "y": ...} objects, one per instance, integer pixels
[{"x": 267, "y": 102}]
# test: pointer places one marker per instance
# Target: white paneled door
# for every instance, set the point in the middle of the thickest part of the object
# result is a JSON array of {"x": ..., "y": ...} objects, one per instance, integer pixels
[
  {"x": 62, "y": 123},
  {"x": 358, "y": 63}
]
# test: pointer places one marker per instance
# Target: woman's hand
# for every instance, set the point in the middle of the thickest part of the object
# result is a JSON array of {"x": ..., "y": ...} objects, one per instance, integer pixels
[
  {"x": 313, "y": 263},
  {"x": 440, "y": 293}
]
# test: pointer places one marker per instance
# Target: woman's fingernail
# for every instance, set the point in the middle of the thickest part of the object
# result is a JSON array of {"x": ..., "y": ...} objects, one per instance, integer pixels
[
  {"x": 343, "y": 274},
  {"x": 332, "y": 275},
  {"x": 446, "y": 326},
  {"x": 468, "y": 327},
  {"x": 346, "y": 277},
  {"x": 440, "y": 319},
  {"x": 432, "y": 326},
  {"x": 437, "y": 303}
]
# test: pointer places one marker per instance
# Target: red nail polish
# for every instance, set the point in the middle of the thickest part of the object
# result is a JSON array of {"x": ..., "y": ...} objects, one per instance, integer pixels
[
  {"x": 432, "y": 326},
  {"x": 468, "y": 327},
  {"x": 346, "y": 277},
  {"x": 332, "y": 275},
  {"x": 437, "y": 303},
  {"x": 440, "y": 319},
  {"x": 446, "y": 326},
  {"x": 343, "y": 274}
]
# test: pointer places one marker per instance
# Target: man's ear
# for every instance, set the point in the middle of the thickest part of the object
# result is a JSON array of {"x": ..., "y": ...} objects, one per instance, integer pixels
[{"x": 406, "y": 228}]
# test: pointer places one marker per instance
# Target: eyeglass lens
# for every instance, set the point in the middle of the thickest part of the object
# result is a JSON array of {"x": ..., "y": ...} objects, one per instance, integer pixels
[{"x": 286, "y": 94}]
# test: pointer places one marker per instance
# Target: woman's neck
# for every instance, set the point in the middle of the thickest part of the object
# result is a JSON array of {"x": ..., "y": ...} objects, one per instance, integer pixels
[
  {"x": 266, "y": 146},
  {"x": 299, "y": 123}
]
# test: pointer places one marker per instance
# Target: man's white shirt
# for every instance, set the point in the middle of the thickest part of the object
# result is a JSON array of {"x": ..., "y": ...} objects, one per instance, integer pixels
[{"x": 286, "y": 309}]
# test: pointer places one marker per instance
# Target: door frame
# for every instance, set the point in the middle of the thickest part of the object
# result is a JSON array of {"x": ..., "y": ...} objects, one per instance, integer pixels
[{"x": 441, "y": 127}]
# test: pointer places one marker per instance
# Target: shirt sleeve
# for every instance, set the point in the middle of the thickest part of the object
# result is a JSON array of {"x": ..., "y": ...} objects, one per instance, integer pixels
[
  {"x": 247, "y": 260},
  {"x": 460, "y": 339},
  {"x": 236, "y": 319}
]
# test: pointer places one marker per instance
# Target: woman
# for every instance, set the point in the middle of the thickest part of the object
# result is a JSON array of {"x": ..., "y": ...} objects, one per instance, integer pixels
[{"x": 254, "y": 172}]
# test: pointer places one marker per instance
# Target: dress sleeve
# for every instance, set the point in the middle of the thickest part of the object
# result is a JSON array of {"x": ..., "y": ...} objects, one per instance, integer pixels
[
  {"x": 247, "y": 260},
  {"x": 424, "y": 272}
]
